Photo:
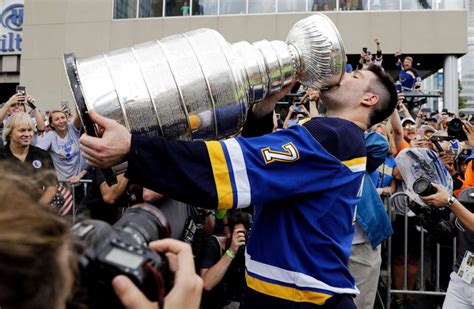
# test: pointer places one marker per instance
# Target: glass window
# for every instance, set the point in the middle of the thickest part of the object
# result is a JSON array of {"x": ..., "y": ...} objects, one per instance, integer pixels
[
  {"x": 417, "y": 4},
  {"x": 291, "y": 5},
  {"x": 204, "y": 7},
  {"x": 349, "y": 5},
  {"x": 177, "y": 8},
  {"x": 150, "y": 8},
  {"x": 125, "y": 9},
  {"x": 262, "y": 6},
  {"x": 232, "y": 7},
  {"x": 377, "y": 5},
  {"x": 449, "y": 4}
]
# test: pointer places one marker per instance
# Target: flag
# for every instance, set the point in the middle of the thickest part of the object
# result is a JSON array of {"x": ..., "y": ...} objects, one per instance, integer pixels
[{"x": 62, "y": 200}]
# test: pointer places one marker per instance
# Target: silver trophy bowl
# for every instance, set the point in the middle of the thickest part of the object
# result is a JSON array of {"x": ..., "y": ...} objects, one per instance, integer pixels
[{"x": 196, "y": 85}]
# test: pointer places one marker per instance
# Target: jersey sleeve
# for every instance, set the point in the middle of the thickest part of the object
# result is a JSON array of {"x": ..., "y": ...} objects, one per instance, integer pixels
[{"x": 238, "y": 172}]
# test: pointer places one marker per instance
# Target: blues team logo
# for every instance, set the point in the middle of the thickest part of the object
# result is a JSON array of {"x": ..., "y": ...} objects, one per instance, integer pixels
[{"x": 37, "y": 164}]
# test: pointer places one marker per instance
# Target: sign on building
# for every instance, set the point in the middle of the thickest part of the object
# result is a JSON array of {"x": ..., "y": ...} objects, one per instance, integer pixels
[{"x": 11, "y": 25}]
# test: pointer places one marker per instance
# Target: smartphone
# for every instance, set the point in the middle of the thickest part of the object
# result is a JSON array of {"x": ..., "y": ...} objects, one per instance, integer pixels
[
  {"x": 426, "y": 110},
  {"x": 66, "y": 108},
  {"x": 21, "y": 90},
  {"x": 297, "y": 108},
  {"x": 364, "y": 49}
]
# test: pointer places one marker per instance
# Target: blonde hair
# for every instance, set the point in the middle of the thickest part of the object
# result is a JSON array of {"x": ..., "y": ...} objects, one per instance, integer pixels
[
  {"x": 391, "y": 141},
  {"x": 15, "y": 120}
]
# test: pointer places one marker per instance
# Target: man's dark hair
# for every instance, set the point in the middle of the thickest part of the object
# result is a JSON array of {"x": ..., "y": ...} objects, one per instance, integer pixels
[
  {"x": 240, "y": 218},
  {"x": 384, "y": 87}
]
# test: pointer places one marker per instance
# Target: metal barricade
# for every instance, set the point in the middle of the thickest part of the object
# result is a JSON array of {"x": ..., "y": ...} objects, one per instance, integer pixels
[{"x": 422, "y": 272}]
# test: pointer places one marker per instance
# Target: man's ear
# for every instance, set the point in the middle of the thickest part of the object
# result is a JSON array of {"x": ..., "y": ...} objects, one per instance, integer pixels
[{"x": 369, "y": 99}]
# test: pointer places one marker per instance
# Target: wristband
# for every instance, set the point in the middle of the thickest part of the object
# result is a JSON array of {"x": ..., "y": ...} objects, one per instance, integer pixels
[
  {"x": 230, "y": 254},
  {"x": 450, "y": 201}
]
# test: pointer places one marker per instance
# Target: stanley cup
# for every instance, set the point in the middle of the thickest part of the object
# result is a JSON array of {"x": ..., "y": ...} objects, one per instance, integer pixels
[{"x": 196, "y": 85}]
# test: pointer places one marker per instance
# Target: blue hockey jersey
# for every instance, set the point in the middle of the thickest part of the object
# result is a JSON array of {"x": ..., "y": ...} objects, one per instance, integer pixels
[{"x": 304, "y": 182}]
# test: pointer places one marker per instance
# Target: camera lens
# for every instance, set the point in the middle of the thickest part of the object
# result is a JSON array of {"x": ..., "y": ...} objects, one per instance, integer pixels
[
  {"x": 455, "y": 128},
  {"x": 143, "y": 223},
  {"x": 422, "y": 186}
]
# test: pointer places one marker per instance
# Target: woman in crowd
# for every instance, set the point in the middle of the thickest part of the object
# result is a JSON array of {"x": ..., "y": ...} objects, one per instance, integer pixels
[
  {"x": 384, "y": 177},
  {"x": 62, "y": 142},
  {"x": 17, "y": 103}
]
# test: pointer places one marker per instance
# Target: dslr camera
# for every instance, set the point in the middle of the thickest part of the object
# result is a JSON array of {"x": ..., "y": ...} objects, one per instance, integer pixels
[
  {"x": 122, "y": 249},
  {"x": 423, "y": 187}
]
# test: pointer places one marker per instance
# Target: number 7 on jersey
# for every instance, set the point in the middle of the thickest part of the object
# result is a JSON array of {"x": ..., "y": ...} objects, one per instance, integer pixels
[{"x": 290, "y": 154}]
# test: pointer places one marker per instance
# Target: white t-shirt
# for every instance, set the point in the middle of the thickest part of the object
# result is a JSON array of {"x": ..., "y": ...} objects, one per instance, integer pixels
[{"x": 67, "y": 158}]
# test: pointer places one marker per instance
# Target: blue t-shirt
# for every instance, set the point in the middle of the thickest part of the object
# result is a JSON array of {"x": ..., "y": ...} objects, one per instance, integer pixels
[{"x": 383, "y": 175}]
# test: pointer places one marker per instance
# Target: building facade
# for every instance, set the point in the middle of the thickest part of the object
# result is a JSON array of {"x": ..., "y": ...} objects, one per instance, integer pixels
[{"x": 429, "y": 30}]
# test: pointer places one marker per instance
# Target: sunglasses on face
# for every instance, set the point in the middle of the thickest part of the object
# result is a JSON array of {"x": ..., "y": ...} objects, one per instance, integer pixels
[{"x": 409, "y": 126}]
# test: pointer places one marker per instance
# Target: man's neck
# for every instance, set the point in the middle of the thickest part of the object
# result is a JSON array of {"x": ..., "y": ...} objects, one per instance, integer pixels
[
  {"x": 349, "y": 116},
  {"x": 19, "y": 151}
]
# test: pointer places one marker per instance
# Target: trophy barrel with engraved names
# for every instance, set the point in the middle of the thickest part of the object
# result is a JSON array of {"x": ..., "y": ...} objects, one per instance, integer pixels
[{"x": 196, "y": 85}]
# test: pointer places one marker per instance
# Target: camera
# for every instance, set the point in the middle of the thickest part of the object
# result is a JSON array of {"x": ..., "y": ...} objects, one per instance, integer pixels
[
  {"x": 423, "y": 187},
  {"x": 455, "y": 128},
  {"x": 122, "y": 249}
]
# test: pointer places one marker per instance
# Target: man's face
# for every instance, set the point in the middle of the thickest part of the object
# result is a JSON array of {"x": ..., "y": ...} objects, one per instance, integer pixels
[
  {"x": 409, "y": 130},
  {"x": 21, "y": 135},
  {"x": 407, "y": 64},
  {"x": 349, "y": 91}
]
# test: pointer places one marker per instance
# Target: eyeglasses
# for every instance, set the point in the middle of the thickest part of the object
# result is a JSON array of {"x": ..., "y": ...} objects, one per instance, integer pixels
[{"x": 409, "y": 126}]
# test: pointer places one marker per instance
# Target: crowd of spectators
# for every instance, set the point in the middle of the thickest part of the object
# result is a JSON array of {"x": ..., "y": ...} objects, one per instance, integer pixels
[{"x": 49, "y": 146}]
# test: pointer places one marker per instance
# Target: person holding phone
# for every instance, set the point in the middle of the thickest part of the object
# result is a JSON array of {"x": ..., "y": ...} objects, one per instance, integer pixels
[
  {"x": 62, "y": 142},
  {"x": 296, "y": 113},
  {"x": 17, "y": 103}
]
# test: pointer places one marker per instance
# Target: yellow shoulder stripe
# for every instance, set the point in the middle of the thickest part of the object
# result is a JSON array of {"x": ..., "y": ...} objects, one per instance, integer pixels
[
  {"x": 356, "y": 164},
  {"x": 221, "y": 175}
]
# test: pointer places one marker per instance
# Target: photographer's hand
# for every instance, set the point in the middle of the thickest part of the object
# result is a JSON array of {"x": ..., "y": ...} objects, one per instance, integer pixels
[
  {"x": 439, "y": 199},
  {"x": 238, "y": 240},
  {"x": 187, "y": 289},
  {"x": 469, "y": 130},
  {"x": 448, "y": 161}
]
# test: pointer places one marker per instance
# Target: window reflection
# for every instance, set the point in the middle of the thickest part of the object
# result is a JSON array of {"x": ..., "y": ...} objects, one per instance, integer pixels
[
  {"x": 351, "y": 5},
  {"x": 322, "y": 5},
  {"x": 232, "y": 7},
  {"x": 291, "y": 5},
  {"x": 377, "y": 5},
  {"x": 154, "y": 8},
  {"x": 416, "y": 5},
  {"x": 125, "y": 9},
  {"x": 262, "y": 6},
  {"x": 204, "y": 7},
  {"x": 150, "y": 8}
]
